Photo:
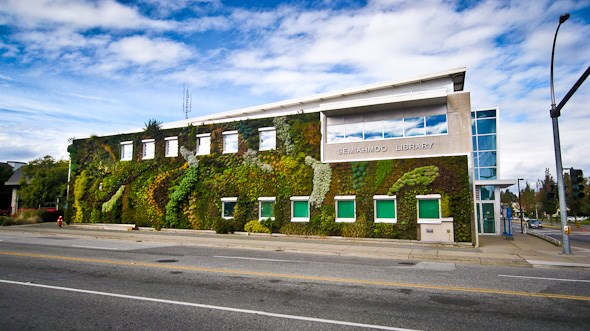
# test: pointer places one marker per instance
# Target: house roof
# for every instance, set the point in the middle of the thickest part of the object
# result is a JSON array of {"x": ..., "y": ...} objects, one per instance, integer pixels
[{"x": 15, "y": 178}]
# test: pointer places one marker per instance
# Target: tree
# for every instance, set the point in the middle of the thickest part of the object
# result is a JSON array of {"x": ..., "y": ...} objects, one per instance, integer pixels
[
  {"x": 5, "y": 191},
  {"x": 44, "y": 180},
  {"x": 527, "y": 196},
  {"x": 508, "y": 197}
]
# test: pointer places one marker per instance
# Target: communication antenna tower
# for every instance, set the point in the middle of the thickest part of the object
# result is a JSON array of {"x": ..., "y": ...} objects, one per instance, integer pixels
[{"x": 187, "y": 101}]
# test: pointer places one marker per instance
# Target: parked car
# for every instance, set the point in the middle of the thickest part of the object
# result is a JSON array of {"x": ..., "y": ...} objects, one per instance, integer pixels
[{"x": 534, "y": 224}]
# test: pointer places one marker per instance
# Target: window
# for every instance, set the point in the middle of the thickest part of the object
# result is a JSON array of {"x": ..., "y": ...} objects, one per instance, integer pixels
[
  {"x": 127, "y": 151},
  {"x": 266, "y": 206},
  {"x": 228, "y": 205},
  {"x": 436, "y": 124},
  {"x": 429, "y": 210},
  {"x": 385, "y": 208},
  {"x": 358, "y": 130},
  {"x": 268, "y": 139},
  {"x": 299, "y": 209},
  {"x": 171, "y": 146},
  {"x": 230, "y": 142},
  {"x": 414, "y": 126},
  {"x": 203, "y": 144},
  {"x": 345, "y": 208}
]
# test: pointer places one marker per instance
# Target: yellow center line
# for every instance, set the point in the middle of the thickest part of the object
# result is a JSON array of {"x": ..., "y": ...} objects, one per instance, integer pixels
[{"x": 300, "y": 277}]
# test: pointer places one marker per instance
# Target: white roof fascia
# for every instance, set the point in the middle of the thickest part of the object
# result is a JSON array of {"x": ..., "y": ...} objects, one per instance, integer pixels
[
  {"x": 384, "y": 100},
  {"x": 307, "y": 104},
  {"x": 254, "y": 112}
]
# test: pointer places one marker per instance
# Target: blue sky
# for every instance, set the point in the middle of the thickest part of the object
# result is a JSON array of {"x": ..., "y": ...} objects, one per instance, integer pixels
[{"x": 72, "y": 68}]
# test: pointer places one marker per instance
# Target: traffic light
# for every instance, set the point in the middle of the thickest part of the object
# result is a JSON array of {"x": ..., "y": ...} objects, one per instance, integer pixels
[
  {"x": 550, "y": 191},
  {"x": 577, "y": 177}
]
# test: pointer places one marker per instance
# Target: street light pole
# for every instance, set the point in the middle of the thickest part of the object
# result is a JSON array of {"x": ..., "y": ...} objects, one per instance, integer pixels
[
  {"x": 557, "y": 144},
  {"x": 520, "y": 204}
]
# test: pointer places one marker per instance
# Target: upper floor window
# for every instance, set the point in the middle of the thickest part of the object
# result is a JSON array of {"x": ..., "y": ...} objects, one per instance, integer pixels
[
  {"x": 171, "y": 146},
  {"x": 127, "y": 151},
  {"x": 230, "y": 142},
  {"x": 149, "y": 149},
  {"x": 386, "y": 129},
  {"x": 268, "y": 139},
  {"x": 203, "y": 144}
]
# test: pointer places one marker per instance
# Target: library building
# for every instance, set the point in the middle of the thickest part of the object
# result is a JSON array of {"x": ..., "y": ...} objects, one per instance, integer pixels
[{"x": 406, "y": 160}]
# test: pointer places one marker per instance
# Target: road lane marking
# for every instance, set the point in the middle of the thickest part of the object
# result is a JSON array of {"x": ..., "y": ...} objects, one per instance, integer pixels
[
  {"x": 96, "y": 247},
  {"x": 545, "y": 278},
  {"x": 199, "y": 305},
  {"x": 300, "y": 277},
  {"x": 256, "y": 259}
]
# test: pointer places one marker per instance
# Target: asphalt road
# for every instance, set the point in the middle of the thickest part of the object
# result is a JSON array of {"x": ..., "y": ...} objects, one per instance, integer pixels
[{"x": 49, "y": 283}]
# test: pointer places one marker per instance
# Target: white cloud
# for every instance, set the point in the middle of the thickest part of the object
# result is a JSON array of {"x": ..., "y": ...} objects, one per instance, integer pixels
[
  {"x": 78, "y": 14},
  {"x": 140, "y": 50}
]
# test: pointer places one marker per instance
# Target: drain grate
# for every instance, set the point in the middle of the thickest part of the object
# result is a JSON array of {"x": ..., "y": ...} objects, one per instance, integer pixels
[
  {"x": 167, "y": 261},
  {"x": 407, "y": 263}
]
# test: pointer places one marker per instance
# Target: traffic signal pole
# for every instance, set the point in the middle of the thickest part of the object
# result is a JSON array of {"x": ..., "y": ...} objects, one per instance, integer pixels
[{"x": 557, "y": 145}]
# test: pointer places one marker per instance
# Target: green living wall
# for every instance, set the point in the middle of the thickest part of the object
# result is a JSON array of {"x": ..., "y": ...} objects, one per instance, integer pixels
[{"x": 186, "y": 191}]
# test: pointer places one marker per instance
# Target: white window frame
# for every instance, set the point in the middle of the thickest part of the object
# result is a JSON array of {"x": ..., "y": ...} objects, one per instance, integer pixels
[
  {"x": 228, "y": 133},
  {"x": 380, "y": 198},
  {"x": 274, "y": 145},
  {"x": 345, "y": 198},
  {"x": 200, "y": 150},
  {"x": 300, "y": 219},
  {"x": 429, "y": 220},
  {"x": 124, "y": 146},
  {"x": 145, "y": 143},
  {"x": 260, "y": 201},
  {"x": 169, "y": 152},
  {"x": 223, "y": 201}
]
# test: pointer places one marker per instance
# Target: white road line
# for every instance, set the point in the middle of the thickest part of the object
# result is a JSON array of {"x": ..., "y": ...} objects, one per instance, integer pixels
[
  {"x": 256, "y": 259},
  {"x": 96, "y": 247},
  {"x": 544, "y": 278},
  {"x": 197, "y": 305}
]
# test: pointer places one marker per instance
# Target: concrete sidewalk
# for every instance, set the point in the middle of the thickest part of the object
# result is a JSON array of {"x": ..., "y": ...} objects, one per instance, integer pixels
[{"x": 524, "y": 250}]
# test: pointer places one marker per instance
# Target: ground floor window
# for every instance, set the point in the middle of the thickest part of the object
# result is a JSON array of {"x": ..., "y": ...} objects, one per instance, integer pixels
[
  {"x": 228, "y": 206},
  {"x": 300, "y": 209},
  {"x": 429, "y": 209},
  {"x": 345, "y": 208},
  {"x": 385, "y": 208},
  {"x": 266, "y": 206}
]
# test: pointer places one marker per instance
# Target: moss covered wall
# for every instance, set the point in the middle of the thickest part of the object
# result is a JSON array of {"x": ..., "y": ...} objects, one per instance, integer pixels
[{"x": 170, "y": 192}]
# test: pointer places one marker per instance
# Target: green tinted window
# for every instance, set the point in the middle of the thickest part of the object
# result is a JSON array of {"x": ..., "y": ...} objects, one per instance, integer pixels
[
  {"x": 266, "y": 209},
  {"x": 228, "y": 209},
  {"x": 300, "y": 209},
  {"x": 345, "y": 209},
  {"x": 385, "y": 208},
  {"x": 428, "y": 208}
]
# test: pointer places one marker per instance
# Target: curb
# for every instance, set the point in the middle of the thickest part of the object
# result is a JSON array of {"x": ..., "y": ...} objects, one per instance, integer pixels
[{"x": 554, "y": 241}]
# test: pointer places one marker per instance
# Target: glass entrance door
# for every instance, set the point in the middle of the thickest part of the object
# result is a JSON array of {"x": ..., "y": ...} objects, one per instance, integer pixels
[{"x": 486, "y": 217}]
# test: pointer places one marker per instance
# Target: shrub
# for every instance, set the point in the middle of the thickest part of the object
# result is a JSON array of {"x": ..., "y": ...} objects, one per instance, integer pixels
[
  {"x": 5, "y": 221},
  {"x": 355, "y": 230},
  {"x": 300, "y": 229},
  {"x": 223, "y": 226},
  {"x": 255, "y": 227}
]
